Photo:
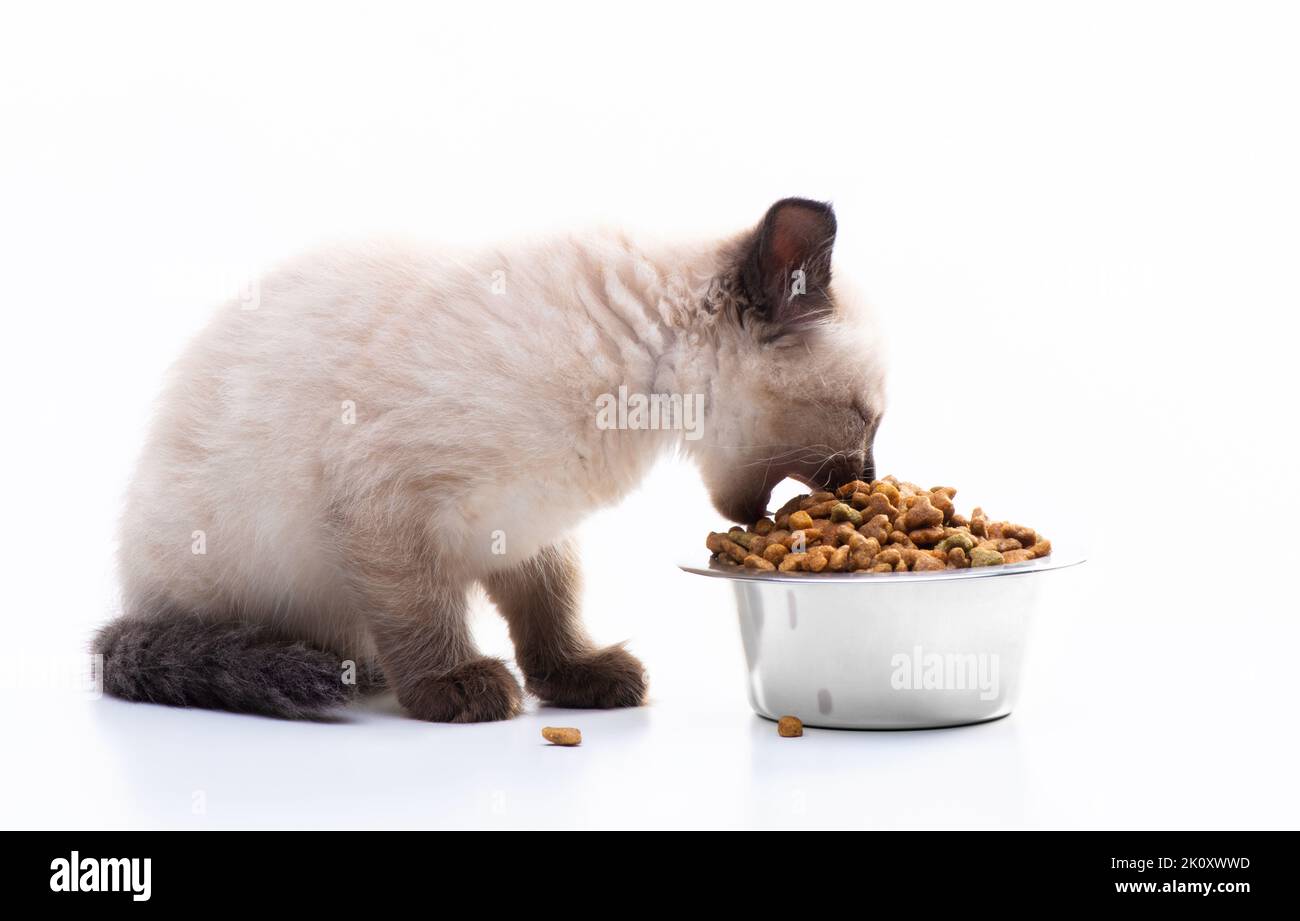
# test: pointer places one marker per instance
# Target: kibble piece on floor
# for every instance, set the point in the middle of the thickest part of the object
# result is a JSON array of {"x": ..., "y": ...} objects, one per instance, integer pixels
[
  {"x": 789, "y": 727},
  {"x": 562, "y": 735}
]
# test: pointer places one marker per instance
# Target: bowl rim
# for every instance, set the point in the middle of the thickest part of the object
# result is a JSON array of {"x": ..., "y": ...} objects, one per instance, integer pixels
[{"x": 1057, "y": 560}]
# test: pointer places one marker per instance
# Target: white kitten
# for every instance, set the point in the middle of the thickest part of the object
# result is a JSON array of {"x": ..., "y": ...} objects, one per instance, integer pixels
[{"x": 330, "y": 471}]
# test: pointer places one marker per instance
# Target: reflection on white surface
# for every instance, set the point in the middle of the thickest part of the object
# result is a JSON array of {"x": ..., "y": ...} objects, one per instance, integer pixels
[{"x": 651, "y": 767}]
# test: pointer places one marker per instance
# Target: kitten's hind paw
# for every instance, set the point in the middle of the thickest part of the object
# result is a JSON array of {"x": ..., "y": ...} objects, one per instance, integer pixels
[{"x": 603, "y": 679}]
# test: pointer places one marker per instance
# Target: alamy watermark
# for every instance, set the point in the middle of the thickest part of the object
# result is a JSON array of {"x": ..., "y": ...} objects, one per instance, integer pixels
[
  {"x": 75, "y": 674},
  {"x": 102, "y": 874},
  {"x": 682, "y": 412},
  {"x": 919, "y": 670}
]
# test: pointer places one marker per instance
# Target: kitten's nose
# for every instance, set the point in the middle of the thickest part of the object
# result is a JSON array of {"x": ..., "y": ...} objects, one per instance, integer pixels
[{"x": 844, "y": 471}]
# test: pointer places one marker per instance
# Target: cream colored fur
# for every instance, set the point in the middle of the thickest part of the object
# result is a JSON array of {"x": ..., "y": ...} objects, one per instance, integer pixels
[{"x": 474, "y": 405}]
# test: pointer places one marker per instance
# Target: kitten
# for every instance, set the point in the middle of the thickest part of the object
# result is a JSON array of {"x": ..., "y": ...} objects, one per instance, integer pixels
[{"x": 329, "y": 472}]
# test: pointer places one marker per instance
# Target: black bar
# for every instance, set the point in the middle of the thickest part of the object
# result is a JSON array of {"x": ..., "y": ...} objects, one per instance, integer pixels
[{"x": 217, "y": 869}]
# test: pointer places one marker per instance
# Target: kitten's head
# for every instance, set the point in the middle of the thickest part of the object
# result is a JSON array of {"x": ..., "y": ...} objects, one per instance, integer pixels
[{"x": 799, "y": 390}]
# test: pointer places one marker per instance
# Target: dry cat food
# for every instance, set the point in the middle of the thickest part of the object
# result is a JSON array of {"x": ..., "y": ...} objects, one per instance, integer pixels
[
  {"x": 562, "y": 735},
  {"x": 789, "y": 727},
  {"x": 885, "y": 526}
]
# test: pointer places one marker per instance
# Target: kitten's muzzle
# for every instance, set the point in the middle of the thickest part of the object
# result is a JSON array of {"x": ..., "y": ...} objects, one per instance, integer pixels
[{"x": 833, "y": 474}]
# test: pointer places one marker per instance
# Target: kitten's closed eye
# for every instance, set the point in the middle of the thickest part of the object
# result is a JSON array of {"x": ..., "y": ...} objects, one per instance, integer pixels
[{"x": 869, "y": 419}]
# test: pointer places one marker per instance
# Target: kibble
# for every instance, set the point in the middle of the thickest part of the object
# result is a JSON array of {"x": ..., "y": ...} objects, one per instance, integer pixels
[
  {"x": 789, "y": 727},
  {"x": 801, "y": 521},
  {"x": 885, "y": 526},
  {"x": 562, "y": 735}
]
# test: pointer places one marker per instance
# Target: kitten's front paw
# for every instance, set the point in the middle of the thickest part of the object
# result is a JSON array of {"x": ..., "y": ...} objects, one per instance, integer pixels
[
  {"x": 607, "y": 678},
  {"x": 477, "y": 691}
]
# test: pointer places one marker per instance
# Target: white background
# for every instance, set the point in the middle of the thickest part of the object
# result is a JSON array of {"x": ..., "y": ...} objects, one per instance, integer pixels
[{"x": 1078, "y": 221}]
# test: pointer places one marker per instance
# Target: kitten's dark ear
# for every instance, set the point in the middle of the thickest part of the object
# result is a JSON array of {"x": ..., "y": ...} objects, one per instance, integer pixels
[{"x": 786, "y": 272}]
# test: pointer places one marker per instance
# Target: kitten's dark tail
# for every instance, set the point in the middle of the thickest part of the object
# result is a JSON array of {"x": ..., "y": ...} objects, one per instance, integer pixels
[{"x": 246, "y": 668}]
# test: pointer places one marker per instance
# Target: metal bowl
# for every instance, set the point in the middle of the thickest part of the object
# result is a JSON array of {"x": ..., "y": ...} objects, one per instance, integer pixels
[{"x": 887, "y": 651}]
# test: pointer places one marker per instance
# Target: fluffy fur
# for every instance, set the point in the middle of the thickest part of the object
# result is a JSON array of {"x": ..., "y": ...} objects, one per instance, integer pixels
[
  {"x": 184, "y": 662},
  {"x": 355, "y": 448}
]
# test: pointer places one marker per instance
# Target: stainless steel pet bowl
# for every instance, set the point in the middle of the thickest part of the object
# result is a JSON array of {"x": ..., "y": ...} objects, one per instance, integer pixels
[{"x": 887, "y": 651}]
